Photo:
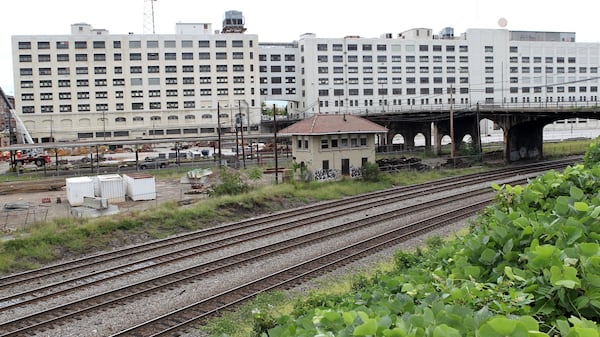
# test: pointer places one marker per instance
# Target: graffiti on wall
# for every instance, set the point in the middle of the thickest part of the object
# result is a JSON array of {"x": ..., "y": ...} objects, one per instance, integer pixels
[{"x": 326, "y": 175}]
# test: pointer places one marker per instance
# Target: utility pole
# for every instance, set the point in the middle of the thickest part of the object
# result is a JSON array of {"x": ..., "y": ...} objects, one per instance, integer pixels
[
  {"x": 479, "y": 146},
  {"x": 275, "y": 141},
  {"x": 242, "y": 133},
  {"x": 452, "y": 145},
  {"x": 219, "y": 131}
]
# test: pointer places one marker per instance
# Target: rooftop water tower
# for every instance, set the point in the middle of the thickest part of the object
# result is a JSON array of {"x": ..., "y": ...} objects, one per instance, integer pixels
[{"x": 233, "y": 22}]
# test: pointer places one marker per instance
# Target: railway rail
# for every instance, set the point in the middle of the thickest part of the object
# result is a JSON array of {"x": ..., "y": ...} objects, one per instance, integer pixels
[{"x": 57, "y": 280}]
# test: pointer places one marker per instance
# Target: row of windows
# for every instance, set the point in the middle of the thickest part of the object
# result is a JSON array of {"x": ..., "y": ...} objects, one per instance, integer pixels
[
  {"x": 384, "y": 47},
  {"x": 103, "y": 134},
  {"x": 559, "y": 70},
  {"x": 558, "y": 89},
  {"x": 277, "y": 57},
  {"x": 538, "y": 59},
  {"x": 551, "y": 99},
  {"x": 395, "y": 69},
  {"x": 395, "y": 58},
  {"x": 29, "y": 109},
  {"x": 24, "y": 45},
  {"x": 394, "y": 102},
  {"x": 335, "y": 143},
  {"x": 135, "y": 70},
  {"x": 82, "y": 95},
  {"x": 26, "y": 58},
  {"x": 376, "y": 92},
  {"x": 119, "y": 82}
]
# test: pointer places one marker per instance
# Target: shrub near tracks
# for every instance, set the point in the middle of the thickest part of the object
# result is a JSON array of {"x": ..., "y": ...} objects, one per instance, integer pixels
[{"x": 530, "y": 267}]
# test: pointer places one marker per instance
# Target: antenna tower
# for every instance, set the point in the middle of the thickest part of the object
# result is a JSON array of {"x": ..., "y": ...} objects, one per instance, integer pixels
[{"x": 149, "y": 17}]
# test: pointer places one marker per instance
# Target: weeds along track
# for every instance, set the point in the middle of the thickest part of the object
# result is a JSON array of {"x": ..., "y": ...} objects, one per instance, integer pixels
[
  {"x": 60, "y": 295},
  {"x": 332, "y": 208}
]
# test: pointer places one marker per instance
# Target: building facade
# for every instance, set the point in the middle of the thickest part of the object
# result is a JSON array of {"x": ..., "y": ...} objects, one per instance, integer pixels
[
  {"x": 92, "y": 85},
  {"x": 417, "y": 69},
  {"x": 331, "y": 145}
]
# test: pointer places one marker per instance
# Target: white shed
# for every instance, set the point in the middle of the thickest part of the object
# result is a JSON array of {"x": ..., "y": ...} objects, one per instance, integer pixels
[
  {"x": 77, "y": 188},
  {"x": 112, "y": 187},
  {"x": 140, "y": 186}
]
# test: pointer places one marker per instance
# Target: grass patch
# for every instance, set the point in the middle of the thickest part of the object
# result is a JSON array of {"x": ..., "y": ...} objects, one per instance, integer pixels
[
  {"x": 567, "y": 148},
  {"x": 69, "y": 237}
]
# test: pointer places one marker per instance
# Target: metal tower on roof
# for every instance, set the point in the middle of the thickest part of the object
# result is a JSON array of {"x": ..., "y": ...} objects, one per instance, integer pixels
[{"x": 149, "y": 17}]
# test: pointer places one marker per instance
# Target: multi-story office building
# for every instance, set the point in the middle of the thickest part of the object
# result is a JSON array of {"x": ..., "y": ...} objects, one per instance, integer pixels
[
  {"x": 92, "y": 85},
  {"x": 419, "y": 70}
]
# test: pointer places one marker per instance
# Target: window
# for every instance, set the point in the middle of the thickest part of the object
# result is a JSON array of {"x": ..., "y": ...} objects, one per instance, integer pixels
[
  {"x": 80, "y": 44},
  {"x": 489, "y": 49},
  {"x": 135, "y": 44},
  {"x": 135, "y": 56},
  {"x": 170, "y": 56},
  {"x": 62, "y": 57},
  {"x": 24, "y": 45},
  {"x": 99, "y": 44},
  {"x": 152, "y": 56}
]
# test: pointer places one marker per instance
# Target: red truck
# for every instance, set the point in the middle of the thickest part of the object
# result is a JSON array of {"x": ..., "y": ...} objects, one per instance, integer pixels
[{"x": 28, "y": 157}]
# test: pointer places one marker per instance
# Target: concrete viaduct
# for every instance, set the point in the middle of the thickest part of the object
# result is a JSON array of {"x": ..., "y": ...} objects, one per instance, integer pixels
[{"x": 522, "y": 125}]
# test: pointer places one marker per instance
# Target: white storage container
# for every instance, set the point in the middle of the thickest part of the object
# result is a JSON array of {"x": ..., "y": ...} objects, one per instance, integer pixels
[
  {"x": 112, "y": 187},
  {"x": 140, "y": 186},
  {"x": 77, "y": 188}
]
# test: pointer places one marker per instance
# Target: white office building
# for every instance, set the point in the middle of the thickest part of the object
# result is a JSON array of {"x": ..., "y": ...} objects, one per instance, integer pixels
[{"x": 92, "y": 85}]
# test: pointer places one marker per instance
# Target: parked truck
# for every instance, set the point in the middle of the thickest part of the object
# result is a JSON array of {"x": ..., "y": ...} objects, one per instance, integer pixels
[{"x": 29, "y": 157}]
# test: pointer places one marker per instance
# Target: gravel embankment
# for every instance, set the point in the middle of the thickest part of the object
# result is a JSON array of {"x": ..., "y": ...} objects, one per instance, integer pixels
[{"x": 135, "y": 311}]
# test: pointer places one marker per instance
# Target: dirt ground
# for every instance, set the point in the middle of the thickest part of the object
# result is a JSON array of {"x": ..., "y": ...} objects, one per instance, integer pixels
[{"x": 48, "y": 205}]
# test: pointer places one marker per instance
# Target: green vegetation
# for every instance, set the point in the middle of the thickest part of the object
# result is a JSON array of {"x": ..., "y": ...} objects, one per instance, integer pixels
[
  {"x": 48, "y": 241},
  {"x": 561, "y": 149},
  {"x": 530, "y": 266}
]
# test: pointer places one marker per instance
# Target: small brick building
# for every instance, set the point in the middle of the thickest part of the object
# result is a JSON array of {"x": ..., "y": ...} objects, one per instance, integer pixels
[{"x": 329, "y": 145}]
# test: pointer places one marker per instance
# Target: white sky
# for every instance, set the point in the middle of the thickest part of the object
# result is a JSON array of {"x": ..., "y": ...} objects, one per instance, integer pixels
[{"x": 285, "y": 21}]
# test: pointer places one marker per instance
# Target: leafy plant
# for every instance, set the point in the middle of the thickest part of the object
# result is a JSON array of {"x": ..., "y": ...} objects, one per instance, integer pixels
[
  {"x": 231, "y": 184},
  {"x": 370, "y": 172}
]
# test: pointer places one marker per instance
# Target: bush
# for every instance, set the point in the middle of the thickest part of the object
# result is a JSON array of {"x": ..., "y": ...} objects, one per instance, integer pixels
[
  {"x": 592, "y": 155},
  {"x": 255, "y": 173},
  {"x": 231, "y": 184},
  {"x": 370, "y": 172}
]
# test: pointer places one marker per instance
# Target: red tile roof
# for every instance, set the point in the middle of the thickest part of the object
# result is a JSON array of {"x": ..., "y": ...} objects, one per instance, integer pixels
[{"x": 329, "y": 124}]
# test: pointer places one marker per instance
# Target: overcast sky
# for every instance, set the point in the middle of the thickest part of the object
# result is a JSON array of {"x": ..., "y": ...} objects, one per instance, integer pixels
[{"x": 285, "y": 21}]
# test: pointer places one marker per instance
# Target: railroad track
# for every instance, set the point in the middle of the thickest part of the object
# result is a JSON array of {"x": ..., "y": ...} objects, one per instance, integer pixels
[
  {"x": 334, "y": 208},
  {"x": 230, "y": 235}
]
